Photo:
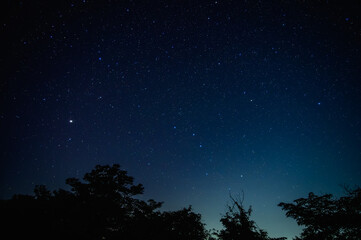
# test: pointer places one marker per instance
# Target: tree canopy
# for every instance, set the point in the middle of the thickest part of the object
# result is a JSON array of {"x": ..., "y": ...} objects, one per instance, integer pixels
[
  {"x": 238, "y": 225},
  {"x": 102, "y": 206},
  {"x": 326, "y": 217}
]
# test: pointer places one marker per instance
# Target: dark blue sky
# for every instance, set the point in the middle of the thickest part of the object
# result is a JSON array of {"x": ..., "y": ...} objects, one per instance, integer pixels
[{"x": 195, "y": 99}]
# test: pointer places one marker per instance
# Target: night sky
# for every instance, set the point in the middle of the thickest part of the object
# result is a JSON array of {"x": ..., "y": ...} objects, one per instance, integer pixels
[{"x": 195, "y": 99}]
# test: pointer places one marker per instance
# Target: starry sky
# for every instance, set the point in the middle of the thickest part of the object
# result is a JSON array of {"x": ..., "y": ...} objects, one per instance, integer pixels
[{"x": 195, "y": 99}]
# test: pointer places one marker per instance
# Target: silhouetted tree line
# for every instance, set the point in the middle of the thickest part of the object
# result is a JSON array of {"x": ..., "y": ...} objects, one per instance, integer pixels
[{"x": 105, "y": 206}]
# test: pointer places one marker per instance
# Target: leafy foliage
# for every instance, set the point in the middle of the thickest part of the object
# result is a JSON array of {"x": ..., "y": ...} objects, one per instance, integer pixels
[
  {"x": 102, "y": 206},
  {"x": 238, "y": 226},
  {"x": 325, "y": 217},
  {"x": 183, "y": 224}
]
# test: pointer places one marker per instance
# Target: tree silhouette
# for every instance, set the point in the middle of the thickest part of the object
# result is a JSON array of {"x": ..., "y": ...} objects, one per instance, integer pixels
[
  {"x": 238, "y": 226},
  {"x": 183, "y": 224},
  {"x": 102, "y": 206},
  {"x": 106, "y": 182},
  {"x": 325, "y": 217}
]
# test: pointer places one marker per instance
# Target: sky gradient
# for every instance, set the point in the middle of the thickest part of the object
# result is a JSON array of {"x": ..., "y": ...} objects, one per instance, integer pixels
[{"x": 195, "y": 99}]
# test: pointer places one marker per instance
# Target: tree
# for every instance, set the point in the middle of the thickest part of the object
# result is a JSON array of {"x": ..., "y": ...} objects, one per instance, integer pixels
[
  {"x": 106, "y": 182},
  {"x": 326, "y": 217},
  {"x": 106, "y": 200},
  {"x": 182, "y": 225},
  {"x": 238, "y": 226},
  {"x": 101, "y": 206}
]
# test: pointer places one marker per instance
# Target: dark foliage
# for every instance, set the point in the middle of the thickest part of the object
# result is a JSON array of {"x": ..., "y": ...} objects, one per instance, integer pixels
[
  {"x": 103, "y": 206},
  {"x": 238, "y": 226},
  {"x": 327, "y": 218}
]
